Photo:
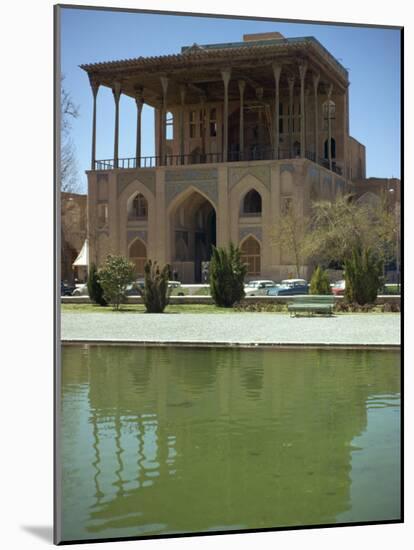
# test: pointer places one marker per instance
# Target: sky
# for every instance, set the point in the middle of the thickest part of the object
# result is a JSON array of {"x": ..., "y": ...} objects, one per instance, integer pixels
[{"x": 371, "y": 56}]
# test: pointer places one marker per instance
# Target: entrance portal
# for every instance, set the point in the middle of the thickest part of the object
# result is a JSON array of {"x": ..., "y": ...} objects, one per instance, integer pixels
[{"x": 193, "y": 234}]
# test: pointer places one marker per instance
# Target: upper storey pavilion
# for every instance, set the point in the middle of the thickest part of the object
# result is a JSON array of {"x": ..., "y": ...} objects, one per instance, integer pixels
[{"x": 266, "y": 98}]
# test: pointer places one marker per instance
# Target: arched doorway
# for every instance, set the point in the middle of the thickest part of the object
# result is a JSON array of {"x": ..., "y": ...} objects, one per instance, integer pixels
[
  {"x": 138, "y": 256},
  {"x": 193, "y": 233},
  {"x": 250, "y": 255}
]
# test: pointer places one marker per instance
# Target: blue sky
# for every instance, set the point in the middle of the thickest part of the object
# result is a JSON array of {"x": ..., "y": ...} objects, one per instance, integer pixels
[{"x": 372, "y": 57}]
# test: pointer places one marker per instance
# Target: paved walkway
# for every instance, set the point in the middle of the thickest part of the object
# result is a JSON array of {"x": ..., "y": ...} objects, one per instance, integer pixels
[{"x": 234, "y": 328}]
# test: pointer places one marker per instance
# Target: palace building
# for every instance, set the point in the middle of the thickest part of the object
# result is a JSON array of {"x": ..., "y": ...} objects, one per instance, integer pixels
[{"x": 243, "y": 131}]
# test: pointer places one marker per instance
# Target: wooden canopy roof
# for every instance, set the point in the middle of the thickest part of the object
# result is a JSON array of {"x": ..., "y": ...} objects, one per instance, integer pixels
[{"x": 198, "y": 68}]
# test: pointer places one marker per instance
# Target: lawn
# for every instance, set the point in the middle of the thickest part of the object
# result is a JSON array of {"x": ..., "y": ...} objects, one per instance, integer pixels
[
  {"x": 140, "y": 308},
  {"x": 180, "y": 308}
]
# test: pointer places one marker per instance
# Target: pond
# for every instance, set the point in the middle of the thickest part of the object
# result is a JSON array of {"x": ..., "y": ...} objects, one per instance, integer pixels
[{"x": 177, "y": 440}]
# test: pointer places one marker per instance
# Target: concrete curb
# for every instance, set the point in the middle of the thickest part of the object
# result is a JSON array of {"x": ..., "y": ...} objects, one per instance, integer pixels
[{"x": 205, "y": 344}]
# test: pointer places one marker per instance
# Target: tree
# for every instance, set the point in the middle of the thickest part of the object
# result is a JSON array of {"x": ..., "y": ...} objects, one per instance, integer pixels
[
  {"x": 339, "y": 228},
  {"x": 114, "y": 277},
  {"x": 95, "y": 289},
  {"x": 227, "y": 272},
  {"x": 359, "y": 235},
  {"x": 290, "y": 235},
  {"x": 320, "y": 282},
  {"x": 156, "y": 292},
  {"x": 69, "y": 178},
  {"x": 363, "y": 276}
]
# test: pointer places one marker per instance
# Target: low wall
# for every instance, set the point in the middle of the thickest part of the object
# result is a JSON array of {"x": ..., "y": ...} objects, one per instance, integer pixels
[{"x": 174, "y": 300}]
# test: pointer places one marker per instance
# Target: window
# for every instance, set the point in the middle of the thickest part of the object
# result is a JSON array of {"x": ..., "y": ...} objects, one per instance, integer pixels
[
  {"x": 250, "y": 255},
  {"x": 139, "y": 207},
  {"x": 296, "y": 149},
  {"x": 169, "y": 125},
  {"x": 252, "y": 203},
  {"x": 280, "y": 118},
  {"x": 193, "y": 123},
  {"x": 213, "y": 123},
  {"x": 333, "y": 148}
]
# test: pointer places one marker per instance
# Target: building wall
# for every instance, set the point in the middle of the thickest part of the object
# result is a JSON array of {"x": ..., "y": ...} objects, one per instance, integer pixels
[
  {"x": 223, "y": 187},
  {"x": 356, "y": 160},
  {"x": 73, "y": 231}
]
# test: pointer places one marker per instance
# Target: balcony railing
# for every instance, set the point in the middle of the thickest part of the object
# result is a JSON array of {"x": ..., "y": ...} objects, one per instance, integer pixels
[{"x": 208, "y": 158}]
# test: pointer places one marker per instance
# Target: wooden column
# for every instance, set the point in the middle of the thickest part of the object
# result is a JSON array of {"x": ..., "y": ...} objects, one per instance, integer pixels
[
  {"x": 291, "y": 83},
  {"x": 276, "y": 138},
  {"x": 203, "y": 124},
  {"x": 163, "y": 152},
  {"x": 316, "y": 78},
  {"x": 95, "y": 88},
  {"x": 139, "y": 100},
  {"x": 302, "y": 73},
  {"x": 116, "y": 90},
  {"x": 226, "y": 73},
  {"x": 242, "y": 86},
  {"x": 182, "y": 95},
  {"x": 329, "y": 94}
]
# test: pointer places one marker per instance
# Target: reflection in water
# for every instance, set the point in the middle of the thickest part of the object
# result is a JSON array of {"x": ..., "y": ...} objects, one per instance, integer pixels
[{"x": 178, "y": 440}]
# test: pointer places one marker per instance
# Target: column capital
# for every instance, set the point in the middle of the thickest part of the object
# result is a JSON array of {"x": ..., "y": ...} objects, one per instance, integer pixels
[
  {"x": 277, "y": 69},
  {"x": 303, "y": 67},
  {"x": 329, "y": 90},
  {"x": 242, "y": 86},
  {"x": 94, "y": 85},
  {"x": 225, "y": 75},
  {"x": 291, "y": 83},
  {"x": 316, "y": 78},
  {"x": 164, "y": 84},
  {"x": 116, "y": 90},
  {"x": 139, "y": 93}
]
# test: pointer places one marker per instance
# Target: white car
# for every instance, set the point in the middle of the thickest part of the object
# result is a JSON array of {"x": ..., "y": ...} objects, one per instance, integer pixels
[
  {"x": 80, "y": 290},
  {"x": 258, "y": 288}
]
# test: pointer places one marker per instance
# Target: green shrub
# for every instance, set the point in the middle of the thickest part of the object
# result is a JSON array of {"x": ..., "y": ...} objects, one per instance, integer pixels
[
  {"x": 156, "y": 292},
  {"x": 363, "y": 277},
  {"x": 258, "y": 307},
  {"x": 115, "y": 275},
  {"x": 95, "y": 289},
  {"x": 227, "y": 272},
  {"x": 320, "y": 282}
]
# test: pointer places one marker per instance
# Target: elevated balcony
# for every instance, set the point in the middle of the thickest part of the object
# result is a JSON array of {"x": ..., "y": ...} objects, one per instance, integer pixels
[{"x": 209, "y": 158}]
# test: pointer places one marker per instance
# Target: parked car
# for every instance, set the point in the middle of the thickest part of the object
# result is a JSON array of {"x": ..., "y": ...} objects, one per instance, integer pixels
[
  {"x": 133, "y": 289},
  {"x": 258, "y": 288},
  {"x": 80, "y": 290},
  {"x": 66, "y": 288},
  {"x": 289, "y": 287},
  {"x": 338, "y": 288}
]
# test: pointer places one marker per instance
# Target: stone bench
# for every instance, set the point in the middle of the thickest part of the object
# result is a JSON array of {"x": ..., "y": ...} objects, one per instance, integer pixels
[{"x": 311, "y": 303}]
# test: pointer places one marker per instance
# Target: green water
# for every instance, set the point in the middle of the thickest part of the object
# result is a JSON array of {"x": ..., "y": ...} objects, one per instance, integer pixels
[{"x": 169, "y": 440}]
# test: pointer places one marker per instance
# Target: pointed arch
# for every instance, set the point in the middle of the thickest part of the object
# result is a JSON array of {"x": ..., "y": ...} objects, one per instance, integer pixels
[
  {"x": 126, "y": 196},
  {"x": 137, "y": 253},
  {"x": 137, "y": 206},
  {"x": 192, "y": 232},
  {"x": 251, "y": 252},
  {"x": 252, "y": 203}
]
